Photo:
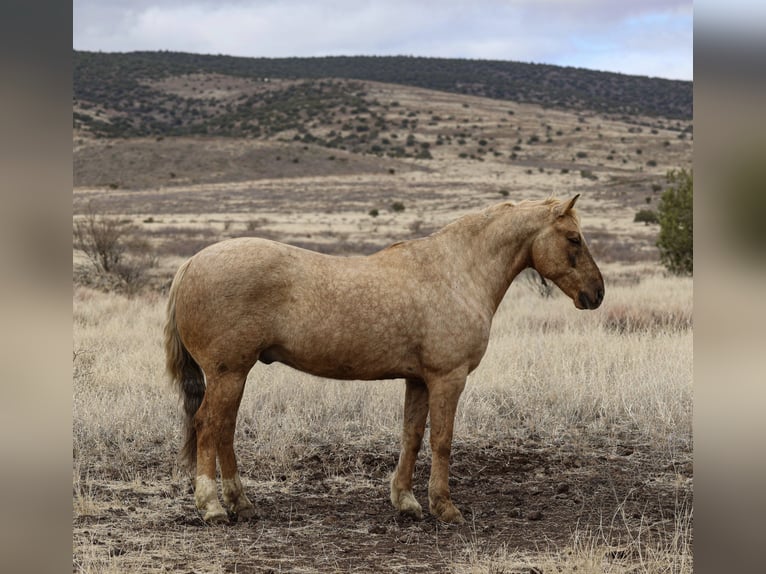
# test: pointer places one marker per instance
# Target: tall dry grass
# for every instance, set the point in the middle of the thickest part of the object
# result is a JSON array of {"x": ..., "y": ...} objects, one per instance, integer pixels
[
  {"x": 624, "y": 370},
  {"x": 549, "y": 369},
  {"x": 626, "y": 367}
]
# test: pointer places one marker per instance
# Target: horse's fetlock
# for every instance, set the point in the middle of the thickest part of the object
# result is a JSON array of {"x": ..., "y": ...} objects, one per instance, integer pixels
[
  {"x": 235, "y": 499},
  {"x": 404, "y": 500}
]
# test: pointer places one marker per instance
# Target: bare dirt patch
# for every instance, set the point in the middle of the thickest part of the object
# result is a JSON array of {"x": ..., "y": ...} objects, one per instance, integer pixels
[
  {"x": 141, "y": 163},
  {"x": 330, "y": 510}
]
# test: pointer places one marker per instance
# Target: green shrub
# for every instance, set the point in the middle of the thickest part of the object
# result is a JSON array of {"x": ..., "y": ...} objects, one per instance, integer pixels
[
  {"x": 646, "y": 216},
  {"x": 675, "y": 214}
]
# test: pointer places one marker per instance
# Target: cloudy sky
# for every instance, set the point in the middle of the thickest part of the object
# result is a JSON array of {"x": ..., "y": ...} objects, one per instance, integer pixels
[{"x": 644, "y": 37}]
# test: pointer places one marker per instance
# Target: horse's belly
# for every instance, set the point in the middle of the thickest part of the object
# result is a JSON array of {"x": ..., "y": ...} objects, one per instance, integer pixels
[{"x": 343, "y": 365}]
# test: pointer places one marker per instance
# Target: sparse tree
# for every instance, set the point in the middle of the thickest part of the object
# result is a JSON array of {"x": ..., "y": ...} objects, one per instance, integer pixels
[
  {"x": 101, "y": 238},
  {"x": 113, "y": 249},
  {"x": 675, "y": 215}
]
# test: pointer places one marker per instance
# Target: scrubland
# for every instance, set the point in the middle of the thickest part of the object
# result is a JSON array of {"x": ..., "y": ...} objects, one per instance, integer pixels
[{"x": 573, "y": 439}]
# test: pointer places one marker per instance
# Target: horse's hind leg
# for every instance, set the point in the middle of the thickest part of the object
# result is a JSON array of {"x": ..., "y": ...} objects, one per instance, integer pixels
[
  {"x": 234, "y": 497},
  {"x": 415, "y": 415},
  {"x": 215, "y": 422}
]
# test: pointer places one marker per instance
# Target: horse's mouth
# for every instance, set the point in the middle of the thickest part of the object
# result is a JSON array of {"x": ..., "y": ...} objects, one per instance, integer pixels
[{"x": 585, "y": 301}]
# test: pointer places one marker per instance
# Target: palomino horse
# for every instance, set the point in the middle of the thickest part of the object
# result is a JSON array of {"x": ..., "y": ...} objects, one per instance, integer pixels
[{"x": 419, "y": 310}]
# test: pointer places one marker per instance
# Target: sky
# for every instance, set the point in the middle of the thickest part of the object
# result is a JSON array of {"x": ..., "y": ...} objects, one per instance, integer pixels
[{"x": 638, "y": 37}]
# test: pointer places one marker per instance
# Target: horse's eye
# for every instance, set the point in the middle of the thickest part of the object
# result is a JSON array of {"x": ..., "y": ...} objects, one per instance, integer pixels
[{"x": 575, "y": 240}]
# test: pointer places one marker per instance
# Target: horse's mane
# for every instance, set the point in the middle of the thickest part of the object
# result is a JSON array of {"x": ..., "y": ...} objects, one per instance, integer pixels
[
  {"x": 549, "y": 201},
  {"x": 479, "y": 219}
]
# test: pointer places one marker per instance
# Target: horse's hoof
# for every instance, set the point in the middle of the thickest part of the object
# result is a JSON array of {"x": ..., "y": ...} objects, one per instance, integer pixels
[
  {"x": 452, "y": 517},
  {"x": 449, "y": 513},
  {"x": 216, "y": 516},
  {"x": 404, "y": 501},
  {"x": 414, "y": 512}
]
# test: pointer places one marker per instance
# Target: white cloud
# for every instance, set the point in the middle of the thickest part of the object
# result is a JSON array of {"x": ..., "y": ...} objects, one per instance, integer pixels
[{"x": 629, "y": 33}]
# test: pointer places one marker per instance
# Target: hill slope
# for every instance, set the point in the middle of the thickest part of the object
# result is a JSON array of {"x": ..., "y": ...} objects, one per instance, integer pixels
[{"x": 130, "y": 94}]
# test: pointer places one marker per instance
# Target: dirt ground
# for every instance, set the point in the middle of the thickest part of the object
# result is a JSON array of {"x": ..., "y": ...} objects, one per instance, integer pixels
[{"x": 330, "y": 511}]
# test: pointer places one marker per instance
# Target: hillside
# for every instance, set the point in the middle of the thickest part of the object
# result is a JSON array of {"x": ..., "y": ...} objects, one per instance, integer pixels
[
  {"x": 141, "y": 93},
  {"x": 331, "y": 180},
  {"x": 191, "y": 150}
]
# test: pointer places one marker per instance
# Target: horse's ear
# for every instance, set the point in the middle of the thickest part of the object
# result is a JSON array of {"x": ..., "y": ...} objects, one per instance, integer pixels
[{"x": 565, "y": 208}]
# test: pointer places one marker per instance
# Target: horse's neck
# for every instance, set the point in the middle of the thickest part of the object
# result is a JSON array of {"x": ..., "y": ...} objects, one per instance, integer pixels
[{"x": 494, "y": 248}]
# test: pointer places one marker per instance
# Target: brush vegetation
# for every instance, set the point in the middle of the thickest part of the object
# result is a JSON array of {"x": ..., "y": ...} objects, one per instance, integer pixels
[{"x": 126, "y": 95}]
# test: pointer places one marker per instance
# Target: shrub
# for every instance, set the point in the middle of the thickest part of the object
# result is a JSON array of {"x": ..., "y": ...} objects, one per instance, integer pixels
[
  {"x": 397, "y": 206},
  {"x": 113, "y": 249},
  {"x": 675, "y": 215},
  {"x": 101, "y": 238},
  {"x": 645, "y": 216}
]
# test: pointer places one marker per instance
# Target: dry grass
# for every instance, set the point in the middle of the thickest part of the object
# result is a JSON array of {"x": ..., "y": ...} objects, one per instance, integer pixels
[
  {"x": 548, "y": 369},
  {"x": 566, "y": 377},
  {"x": 560, "y": 369}
]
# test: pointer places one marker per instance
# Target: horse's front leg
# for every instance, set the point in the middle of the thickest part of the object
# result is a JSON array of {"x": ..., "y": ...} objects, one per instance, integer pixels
[
  {"x": 215, "y": 422},
  {"x": 444, "y": 393},
  {"x": 415, "y": 415}
]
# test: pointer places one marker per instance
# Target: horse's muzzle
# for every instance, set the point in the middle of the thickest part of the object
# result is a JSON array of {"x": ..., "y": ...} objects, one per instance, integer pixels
[{"x": 590, "y": 300}]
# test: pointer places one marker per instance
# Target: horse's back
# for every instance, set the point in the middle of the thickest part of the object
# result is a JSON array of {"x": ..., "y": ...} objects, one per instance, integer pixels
[{"x": 333, "y": 316}]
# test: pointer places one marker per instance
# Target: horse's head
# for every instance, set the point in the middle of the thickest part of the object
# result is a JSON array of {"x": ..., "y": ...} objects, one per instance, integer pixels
[{"x": 559, "y": 253}]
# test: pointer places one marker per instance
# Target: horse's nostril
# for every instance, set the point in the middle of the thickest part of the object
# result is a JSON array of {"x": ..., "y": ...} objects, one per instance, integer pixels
[{"x": 600, "y": 295}]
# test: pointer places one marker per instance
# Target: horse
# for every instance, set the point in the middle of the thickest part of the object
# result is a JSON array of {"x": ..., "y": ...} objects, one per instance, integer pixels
[{"x": 418, "y": 310}]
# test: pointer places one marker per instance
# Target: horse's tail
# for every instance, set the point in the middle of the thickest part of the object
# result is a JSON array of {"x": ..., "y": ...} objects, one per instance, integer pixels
[{"x": 185, "y": 374}]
